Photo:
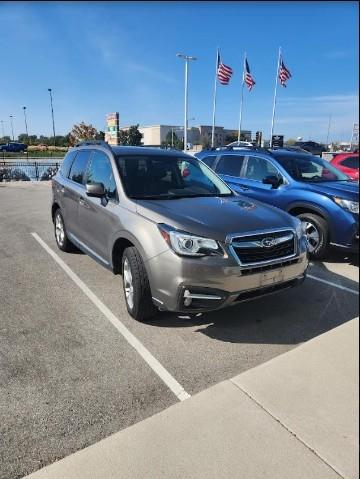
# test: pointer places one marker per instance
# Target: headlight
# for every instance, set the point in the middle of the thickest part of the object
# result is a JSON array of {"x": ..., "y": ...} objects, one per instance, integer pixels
[
  {"x": 186, "y": 244},
  {"x": 301, "y": 229},
  {"x": 352, "y": 206}
]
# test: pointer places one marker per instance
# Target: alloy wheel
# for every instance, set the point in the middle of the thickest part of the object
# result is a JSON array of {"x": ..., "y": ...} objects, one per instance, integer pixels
[
  {"x": 59, "y": 230},
  {"x": 128, "y": 284},
  {"x": 313, "y": 236}
]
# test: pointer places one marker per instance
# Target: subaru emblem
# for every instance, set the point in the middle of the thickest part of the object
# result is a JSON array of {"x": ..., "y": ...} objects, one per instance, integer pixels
[{"x": 268, "y": 242}]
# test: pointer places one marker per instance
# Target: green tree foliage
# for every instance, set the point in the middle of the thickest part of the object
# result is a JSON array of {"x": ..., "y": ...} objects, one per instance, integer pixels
[
  {"x": 130, "y": 137},
  {"x": 134, "y": 136},
  {"x": 290, "y": 141},
  {"x": 172, "y": 141}
]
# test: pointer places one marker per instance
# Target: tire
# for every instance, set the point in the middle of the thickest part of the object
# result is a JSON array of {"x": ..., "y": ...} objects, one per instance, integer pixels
[
  {"x": 136, "y": 286},
  {"x": 61, "y": 237},
  {"x": 317, "y": 234}
]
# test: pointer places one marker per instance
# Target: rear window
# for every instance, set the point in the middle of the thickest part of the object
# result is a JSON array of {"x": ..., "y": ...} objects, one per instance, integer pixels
[
  {"x": 230, "y": 165},
  {"x": 66, "y": 163},
  {"x": 351, "y": 162},
  {"x": 78, "y": 169},
  {"x": 209, "y": 160}
]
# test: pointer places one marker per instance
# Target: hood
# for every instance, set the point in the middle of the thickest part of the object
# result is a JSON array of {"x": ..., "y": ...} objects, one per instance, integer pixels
[
  {"x": 348, "y": 190},
  {"x": 215, "y": 217}
]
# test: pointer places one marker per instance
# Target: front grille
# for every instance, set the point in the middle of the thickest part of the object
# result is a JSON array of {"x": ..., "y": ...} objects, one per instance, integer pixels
[
  {"x": 269, "y": 267},
  {"x": 250, "y": 249},
  {"x": 256, "y": 293}
]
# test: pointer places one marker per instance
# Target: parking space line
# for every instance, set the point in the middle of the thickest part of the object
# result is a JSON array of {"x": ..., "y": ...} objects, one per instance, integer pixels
[
  {"x": 330, "y": 283},
  {"x": 155, "y": 365}
]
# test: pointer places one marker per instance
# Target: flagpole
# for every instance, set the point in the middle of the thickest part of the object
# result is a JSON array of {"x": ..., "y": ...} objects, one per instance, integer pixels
[
  {"x": 275, "y": 93},
  {"x": 242, "y": 99},
  {"x": 214, "y": 105}
]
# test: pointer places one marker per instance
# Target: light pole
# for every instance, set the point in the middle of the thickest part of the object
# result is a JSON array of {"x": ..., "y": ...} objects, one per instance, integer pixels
[
  {"x": 52, "y": 113},
  {"x": 26, "y": 128},
  {"x": 186, "y": 58},
  {"x": 2, "y": 128},
  {"x": 12, "y": 127}
]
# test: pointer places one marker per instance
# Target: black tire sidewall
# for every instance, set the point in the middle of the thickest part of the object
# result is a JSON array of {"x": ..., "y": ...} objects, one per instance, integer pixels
[
  {"x": 322, "y": 227},
  {"x": 143, "y": 307}
]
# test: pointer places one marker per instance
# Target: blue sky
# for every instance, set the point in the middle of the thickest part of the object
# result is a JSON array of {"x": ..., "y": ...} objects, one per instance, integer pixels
[{"x": 109, "y": 56}]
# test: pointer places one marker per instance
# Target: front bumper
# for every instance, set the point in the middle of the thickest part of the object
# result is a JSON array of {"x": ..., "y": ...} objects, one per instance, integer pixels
[{"x": 213, "y": 282}]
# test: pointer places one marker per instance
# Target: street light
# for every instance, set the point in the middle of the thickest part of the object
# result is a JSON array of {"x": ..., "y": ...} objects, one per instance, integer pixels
[
  {"x": 12, "y": 127},
  {"x": 186, "y": 58},
  {"x": 52, "y": 113},
  {"x": 26, "y": 128}
]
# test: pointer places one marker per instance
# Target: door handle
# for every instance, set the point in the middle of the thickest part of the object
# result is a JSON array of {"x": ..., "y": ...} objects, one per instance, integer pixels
[{"x": 82, "y": 202}]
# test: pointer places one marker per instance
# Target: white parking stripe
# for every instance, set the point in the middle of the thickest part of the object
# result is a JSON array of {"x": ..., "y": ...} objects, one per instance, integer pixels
[
  {"x": 163, "y": 374},
  {"x": 330, "y": 283}
]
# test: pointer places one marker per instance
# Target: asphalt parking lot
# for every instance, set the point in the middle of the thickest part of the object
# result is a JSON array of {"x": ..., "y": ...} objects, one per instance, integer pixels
[{"x": 69, "y": 378}]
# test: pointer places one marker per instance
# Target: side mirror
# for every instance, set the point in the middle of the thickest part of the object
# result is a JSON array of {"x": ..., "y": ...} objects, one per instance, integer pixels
[
  {"x": 274, "y": 181},
  {"x": 95, "y": 189}
]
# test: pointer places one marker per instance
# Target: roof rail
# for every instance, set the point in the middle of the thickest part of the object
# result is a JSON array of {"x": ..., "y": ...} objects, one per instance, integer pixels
[
  {"x": 93, "y": 142},
  {"x": 232, "y": 148}
]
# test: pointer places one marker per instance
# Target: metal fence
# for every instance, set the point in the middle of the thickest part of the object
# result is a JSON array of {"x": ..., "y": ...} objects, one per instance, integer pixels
[{"x": 27, "y": 171}]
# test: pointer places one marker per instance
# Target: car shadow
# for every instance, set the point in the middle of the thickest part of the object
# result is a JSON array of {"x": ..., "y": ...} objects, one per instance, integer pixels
[
  {"x": 337, "y": 256},
  {"x": 289, "y": 317}
]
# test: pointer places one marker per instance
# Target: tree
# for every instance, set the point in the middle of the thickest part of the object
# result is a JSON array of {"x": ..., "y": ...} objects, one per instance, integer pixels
[
  {"x": 290, "y": 141},
  {"x": 82, "y": 132},
  {"x": 134, "y": 136},
  {"x": 131, "y": 137},
  {"x": 23, "y": 138},
  {"x": 173, "y": 141}
]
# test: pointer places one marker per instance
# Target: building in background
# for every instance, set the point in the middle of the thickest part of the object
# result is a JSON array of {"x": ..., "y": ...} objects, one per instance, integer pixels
[
  {"x": 112, "y": 128},
  {"x": 155, "y": 135}
]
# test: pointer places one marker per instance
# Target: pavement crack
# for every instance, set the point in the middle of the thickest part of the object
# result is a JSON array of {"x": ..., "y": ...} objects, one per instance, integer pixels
[{"x": 287, "y": 429}]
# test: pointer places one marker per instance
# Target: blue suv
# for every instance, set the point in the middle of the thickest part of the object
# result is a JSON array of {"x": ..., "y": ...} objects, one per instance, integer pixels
[{"x": 306, "y": 186}]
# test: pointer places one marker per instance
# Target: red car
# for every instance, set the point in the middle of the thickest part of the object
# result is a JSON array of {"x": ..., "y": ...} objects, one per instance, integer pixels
[{"x": 348, "y": 163}]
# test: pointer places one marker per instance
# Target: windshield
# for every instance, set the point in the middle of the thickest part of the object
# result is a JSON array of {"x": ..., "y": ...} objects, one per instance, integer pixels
[
  {"x": 168, "y": 177},
  {"x": 310, "y": 169}
]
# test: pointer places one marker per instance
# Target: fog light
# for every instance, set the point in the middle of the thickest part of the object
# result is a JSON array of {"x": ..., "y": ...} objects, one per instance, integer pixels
[{"x": 187, "y": 300}]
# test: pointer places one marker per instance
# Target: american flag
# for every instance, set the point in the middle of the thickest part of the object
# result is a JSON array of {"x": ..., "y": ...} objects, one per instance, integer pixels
[
  {"x": 223, "y": 72},
  {"x": 284, "y": 73},
  {"x": 248, "y": 79}
]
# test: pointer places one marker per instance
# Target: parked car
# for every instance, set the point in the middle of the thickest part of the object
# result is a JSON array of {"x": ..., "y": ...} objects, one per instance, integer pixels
[
  {"x": 348, "y": 163},
  {"x": 181, "y": 238},
  {"x": 13, "y": 147},
  {"x": 311, "y": 146},
  {"x": 304, "y": 185}
]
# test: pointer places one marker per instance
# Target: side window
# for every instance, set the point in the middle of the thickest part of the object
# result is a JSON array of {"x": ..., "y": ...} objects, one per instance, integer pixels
[
  {"x": 230, "y": 165},
  {"x": 209, "y": 160},
  {"x": 100, "y": 171},
  {"x": 78, "y": 168},
  {"x": 351, "y": 162},
  {"x": 66, "y": 163},
  {"x": 258, "y": 169}
]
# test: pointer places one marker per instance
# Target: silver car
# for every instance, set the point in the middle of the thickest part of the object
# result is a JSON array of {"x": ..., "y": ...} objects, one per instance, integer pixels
[{"x": 182, "y": 240}]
